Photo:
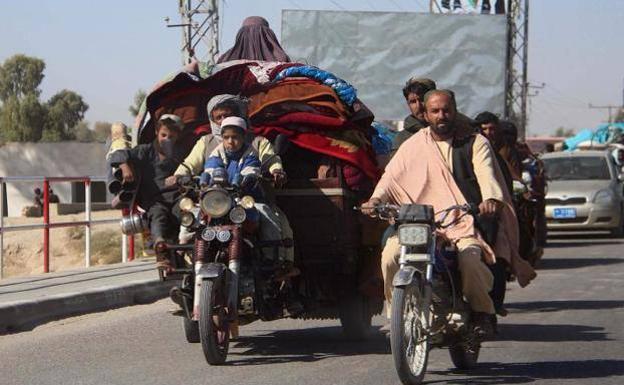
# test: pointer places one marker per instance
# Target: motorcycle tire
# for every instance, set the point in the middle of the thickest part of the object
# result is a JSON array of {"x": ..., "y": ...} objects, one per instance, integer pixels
[
  {"x": 214, "y": 333},
  {"x": 191, "y": 330},
  {"x": 355, "y": 318},
  {"x": 408, "y": 304},
  {"x": 464, "y": 358}
]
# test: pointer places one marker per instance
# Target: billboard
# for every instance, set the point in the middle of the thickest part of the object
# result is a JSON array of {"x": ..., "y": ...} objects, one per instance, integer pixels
[{"x": 378, "y": 51}]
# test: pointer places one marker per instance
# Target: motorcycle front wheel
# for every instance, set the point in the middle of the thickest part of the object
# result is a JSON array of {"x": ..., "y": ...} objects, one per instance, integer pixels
[
  {"x": 408, "y": 333},
  {"x": 214, "y": 333}
]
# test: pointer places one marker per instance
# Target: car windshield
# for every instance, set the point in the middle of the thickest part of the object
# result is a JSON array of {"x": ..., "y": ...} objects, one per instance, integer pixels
[{"x": 577, "y": 168}]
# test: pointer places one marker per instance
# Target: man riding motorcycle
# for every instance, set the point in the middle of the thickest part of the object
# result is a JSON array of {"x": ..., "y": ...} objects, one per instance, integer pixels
[{"x": 457, "y": 168}]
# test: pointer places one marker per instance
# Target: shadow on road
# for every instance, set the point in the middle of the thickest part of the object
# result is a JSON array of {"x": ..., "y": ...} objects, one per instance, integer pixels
[
  {"x": 550, "y": 333},
  {"x": 552, "y": 306},
  {"x": 303, "y": 345},
  {"x": 527, "y": 372},
  {"x": 575, "y": 263}
]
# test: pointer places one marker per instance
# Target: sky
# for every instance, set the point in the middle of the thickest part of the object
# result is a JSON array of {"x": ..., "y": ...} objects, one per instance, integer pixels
[{"x": 107, "y": 50}]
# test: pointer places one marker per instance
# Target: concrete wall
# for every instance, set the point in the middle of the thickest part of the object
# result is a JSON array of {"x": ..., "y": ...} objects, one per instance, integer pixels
[{"x": 48, "y": 159}]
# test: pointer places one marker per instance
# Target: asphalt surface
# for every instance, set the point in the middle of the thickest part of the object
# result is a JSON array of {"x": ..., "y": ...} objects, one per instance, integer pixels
[{"x": 565, "y": 328}]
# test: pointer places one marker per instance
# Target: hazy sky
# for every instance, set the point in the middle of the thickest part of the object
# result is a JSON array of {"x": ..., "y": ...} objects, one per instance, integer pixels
[{"x": 106, "y": 50}]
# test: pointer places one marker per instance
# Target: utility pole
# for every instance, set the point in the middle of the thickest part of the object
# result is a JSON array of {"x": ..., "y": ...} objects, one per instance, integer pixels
[
  {"x": 200, "y": 24},
  {"x": 609, "y": 107},
  {"x": 516, "y": 84}
]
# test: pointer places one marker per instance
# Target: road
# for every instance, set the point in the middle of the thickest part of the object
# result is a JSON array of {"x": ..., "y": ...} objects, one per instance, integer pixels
[{"x": 566, "y": 328}]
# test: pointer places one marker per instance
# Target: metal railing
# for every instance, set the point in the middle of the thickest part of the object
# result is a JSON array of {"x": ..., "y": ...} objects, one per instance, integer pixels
[{"x": 127, "y": 241}]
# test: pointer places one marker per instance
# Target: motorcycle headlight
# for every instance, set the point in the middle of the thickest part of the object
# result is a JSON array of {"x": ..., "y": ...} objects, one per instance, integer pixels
[
  {"x": 187, "y": 219},
  {"x": 247, "y": 202},
  {"x": 209, "y": 234},
  {"x": 186, "y": 204},
  {"x": 216, "y": 203},
  {"x": 604, "y": 197},
  {"x": 224, "y": 236},
  {"x": 414, "y": 235},
  {"x": 238, "y": 215}
]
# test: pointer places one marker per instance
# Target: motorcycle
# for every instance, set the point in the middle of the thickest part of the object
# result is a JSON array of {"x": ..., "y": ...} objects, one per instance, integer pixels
[
  {"x": 428, "y": 309},
  {"x": 230, "y": 282}
]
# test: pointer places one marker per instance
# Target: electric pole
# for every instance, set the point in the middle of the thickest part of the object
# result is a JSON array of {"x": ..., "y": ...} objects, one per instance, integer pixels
[
  {"x": 516, "y": 83},
  {"x": 200, "y": 24},
  {"x": 609, "y": 107}
]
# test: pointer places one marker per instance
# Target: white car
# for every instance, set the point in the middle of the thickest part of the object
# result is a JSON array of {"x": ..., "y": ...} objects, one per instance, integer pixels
[{"x": 584, "y": 192}]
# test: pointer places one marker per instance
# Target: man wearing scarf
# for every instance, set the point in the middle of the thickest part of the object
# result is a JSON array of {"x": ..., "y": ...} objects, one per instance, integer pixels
[{"x": 445, "y": 165}]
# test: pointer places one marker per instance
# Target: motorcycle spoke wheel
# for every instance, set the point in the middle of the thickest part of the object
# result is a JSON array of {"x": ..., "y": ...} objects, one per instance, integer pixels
[
  {"x": 408, "y": 334},
  {"x": 213, "y": 324}
]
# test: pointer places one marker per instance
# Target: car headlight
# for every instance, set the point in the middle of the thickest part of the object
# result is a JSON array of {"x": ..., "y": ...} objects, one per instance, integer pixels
[
  {"x": 414, "y": 235},
  {"x": 238, "y": 215},
  {"x": 216, "y": 203},
  {"x": 604, "y": 197}
]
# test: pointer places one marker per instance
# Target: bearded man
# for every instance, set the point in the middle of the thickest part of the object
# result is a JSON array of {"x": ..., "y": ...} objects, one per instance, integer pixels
[{"x": 445, "y": 165}]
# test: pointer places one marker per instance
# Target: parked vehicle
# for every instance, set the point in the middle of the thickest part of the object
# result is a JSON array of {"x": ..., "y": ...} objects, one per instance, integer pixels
[
  {"x": 584, "y": 192},
  {"x": 428, "y": 309}
]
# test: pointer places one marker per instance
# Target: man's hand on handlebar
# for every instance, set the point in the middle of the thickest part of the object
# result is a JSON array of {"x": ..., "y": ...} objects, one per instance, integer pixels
[
  {"x": 279, "y": 177},
  {"x": 171, "y": 181},
  {"x": 490, "y": 208},
  {"x": 368, "y": 208}
]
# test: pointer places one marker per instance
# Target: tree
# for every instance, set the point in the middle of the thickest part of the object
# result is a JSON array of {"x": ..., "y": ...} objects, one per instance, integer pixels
[
  {"x": 563, "y": 132},
  {"x": 20, "y": 76},
  {"x": 65, "y": 110},
  {"x": 139, "y": 97},
  {"x": 22, "y": 115},
  {"x": 22, "y": 120},
  {"x": 83, "y": 132},
  {"x": 101, "y": 131}
]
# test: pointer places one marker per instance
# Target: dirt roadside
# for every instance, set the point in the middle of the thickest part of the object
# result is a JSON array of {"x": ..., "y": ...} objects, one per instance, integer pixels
[{"x": 23, "y": 250}]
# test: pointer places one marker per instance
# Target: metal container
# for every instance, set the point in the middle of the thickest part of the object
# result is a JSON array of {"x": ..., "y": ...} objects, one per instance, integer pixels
[{"x": 133, "y": 224}]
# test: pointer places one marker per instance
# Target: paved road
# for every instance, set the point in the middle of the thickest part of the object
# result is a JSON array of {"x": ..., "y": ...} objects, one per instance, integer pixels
[{"x": 566, "y": 328}]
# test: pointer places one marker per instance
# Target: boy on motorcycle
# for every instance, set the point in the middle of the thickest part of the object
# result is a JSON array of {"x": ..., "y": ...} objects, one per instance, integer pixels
[
  {"x": 236, "y": 159},
  {"x": 153, "y": 163}
]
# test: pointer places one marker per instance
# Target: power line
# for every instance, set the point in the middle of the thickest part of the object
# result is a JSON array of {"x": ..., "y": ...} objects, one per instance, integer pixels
[
  {"x": 337, "y": 5},
  {"x": 397, "y": 5}
]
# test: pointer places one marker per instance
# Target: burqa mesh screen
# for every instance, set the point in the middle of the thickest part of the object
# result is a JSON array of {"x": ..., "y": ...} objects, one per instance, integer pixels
[{"x": 378, "y": 51}]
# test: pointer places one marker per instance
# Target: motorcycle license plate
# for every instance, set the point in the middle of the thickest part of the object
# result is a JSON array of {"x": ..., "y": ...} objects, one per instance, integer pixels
[{"x": 564, "y": 213}]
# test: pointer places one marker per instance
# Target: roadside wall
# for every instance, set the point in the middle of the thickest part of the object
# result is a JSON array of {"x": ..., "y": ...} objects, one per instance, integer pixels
[{"x": 48, "y": 159}]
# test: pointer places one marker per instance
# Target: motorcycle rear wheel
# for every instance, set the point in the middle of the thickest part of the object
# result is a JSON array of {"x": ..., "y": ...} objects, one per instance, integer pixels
[
  {"x": 408, "y": 340},
  {"x": 214, "y": 333},
  {"x": 191, "y": 330},
  {"x": 465, "y": 357}
]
